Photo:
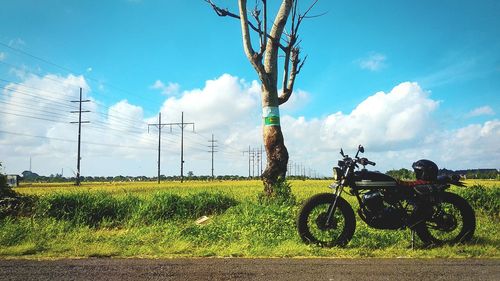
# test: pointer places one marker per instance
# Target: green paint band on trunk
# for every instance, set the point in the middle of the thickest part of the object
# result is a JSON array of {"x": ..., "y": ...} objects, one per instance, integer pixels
[
  {"x": 271, "y": 115},
  {"x": 272, "y": 121}
]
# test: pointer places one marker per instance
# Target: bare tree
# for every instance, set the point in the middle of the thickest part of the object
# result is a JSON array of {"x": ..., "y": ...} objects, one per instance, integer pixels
[{"x": 280, "y": 39}]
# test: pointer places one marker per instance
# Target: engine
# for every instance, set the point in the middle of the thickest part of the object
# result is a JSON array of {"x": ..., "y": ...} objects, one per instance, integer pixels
[{"x": 380, "y": 214}]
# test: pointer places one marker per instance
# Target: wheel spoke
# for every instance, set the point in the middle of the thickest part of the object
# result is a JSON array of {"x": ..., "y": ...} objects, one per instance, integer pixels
[
  {"x": 323, "y": 232},
  {"x": 446, "y": 224}
]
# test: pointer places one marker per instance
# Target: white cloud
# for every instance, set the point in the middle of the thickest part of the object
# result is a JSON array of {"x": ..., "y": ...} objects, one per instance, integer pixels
[
  {"x": 17, "y": 43},
  {"x": 40, "y": 106},
  {"x": 298, "y": 99},
  {"x": 226, "y": 106},
  {"x": 2, "y": 56},
  {"x": 373, "y": 62},
  {"x": 480, "y": 111},
  {"x": 472, "y": 146},
  {"x": 169, "y": 89},
  {"x": 223, "y": 102},
  {"x": 396, "y": 129},
  {"x": 383, "y": 120}
]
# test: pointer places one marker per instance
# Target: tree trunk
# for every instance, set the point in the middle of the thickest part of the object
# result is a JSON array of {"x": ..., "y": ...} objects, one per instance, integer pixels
[
  {"x": 277, "y": 154},
  {"x": 277, "y": 158}
]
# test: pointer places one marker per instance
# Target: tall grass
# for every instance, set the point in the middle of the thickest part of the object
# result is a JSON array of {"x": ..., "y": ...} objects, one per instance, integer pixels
[
  {"x": 485, "y": 199},
  {"x": 100, "y": 208},
  {"x": 160, "y": 223}
]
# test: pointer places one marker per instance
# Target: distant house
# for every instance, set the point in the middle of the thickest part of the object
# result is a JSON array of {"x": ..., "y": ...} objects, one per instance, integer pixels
[{"x": 13, "y": 180}]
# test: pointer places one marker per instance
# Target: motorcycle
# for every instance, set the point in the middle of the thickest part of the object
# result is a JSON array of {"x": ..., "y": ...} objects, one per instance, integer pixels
[{"x": 424, "y": 206}]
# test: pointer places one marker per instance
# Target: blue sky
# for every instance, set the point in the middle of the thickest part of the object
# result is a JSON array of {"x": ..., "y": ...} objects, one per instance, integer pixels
[{"x": 450, "y": 49}]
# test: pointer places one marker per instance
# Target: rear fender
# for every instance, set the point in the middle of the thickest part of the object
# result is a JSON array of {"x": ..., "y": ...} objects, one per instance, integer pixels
[{"x": 453, "y": 179}]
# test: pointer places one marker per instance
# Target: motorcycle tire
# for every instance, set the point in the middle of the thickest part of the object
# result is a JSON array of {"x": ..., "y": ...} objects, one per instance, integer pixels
[
  {"x": 311, "y": 221},
  {"x": 453, "y": 221}
]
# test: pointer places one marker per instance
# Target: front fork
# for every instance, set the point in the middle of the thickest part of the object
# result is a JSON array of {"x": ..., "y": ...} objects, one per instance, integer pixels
[{"x": 338, "y": 191}]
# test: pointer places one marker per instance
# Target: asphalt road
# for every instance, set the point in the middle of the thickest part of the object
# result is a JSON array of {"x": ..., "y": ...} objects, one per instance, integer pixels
[{"x": 251, "y": 269}]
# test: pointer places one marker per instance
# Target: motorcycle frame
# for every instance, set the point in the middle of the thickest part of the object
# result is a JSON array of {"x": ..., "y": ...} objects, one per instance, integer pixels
[{"x": 338, "y": 189}]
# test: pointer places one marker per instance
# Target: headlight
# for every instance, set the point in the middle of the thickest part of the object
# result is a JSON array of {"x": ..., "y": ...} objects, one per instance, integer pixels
[{"x": 337, "y": 173}]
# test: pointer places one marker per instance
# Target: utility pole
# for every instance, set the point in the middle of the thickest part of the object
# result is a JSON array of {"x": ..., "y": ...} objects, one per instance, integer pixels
[
  {"x": 80, "y": 111},
  {"x": 212, "y": 146},
  {"x": 253, "y": 163},
  {"x": 249, "y": 161},
  {"x": 258, "y": 160},
  {"x": 159, "y": 126},
  {"x": 182, "y": 125},
  {"x": 261, "y": 156}
]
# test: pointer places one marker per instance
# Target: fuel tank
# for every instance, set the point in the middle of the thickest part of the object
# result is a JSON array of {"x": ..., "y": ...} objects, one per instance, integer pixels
[{"x": 373, "y": 180}]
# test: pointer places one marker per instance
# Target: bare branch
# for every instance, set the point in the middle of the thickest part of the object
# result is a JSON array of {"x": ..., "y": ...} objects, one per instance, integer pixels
[
  {"x": 256, "y": 15},
  {"x": 296, "y": 66},
  {"x": 271, "y": 43},
  {"x": 254, "y": 58},
  {"x": 270, "y": 61},
  {"x": 316, "y": 16},
  {"x": 226, "y": 13},
  {"x": 264, "y": 43},
  {"x": 292, "y": 52}
]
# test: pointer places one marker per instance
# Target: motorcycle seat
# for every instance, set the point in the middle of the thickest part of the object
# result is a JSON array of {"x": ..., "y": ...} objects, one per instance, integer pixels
[{"x": 412, "y": 183}]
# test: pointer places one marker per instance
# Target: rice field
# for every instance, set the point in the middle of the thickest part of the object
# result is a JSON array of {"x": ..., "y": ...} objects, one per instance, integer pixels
[{"x": 146, "y": 219}]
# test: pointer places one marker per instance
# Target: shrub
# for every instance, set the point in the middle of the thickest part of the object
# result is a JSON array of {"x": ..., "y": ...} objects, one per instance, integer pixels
[
  {"x": 164, "y": 206},
  {"x": 97, "y": 209},
  {"x": 85, "y": 208},
  {"x": 11, "y": 203},
  {"x": 483, "y": 198},
  {"x": 282, "y": 194}
]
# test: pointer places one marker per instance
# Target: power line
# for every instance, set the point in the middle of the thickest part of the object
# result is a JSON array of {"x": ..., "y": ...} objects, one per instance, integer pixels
[
  {"x": 32, "y": 117},
  {"x": 35, "y": 57},
  {"x": 32, "y": 95},
  {"x": 68, "y": 70},
  {"x": 72, "y": 141}
]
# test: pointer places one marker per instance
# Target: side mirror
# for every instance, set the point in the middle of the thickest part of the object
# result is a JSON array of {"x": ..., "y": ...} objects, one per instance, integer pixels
[
  {"x": 342, "y": 152},
  {"x": 361, "y": 149}
]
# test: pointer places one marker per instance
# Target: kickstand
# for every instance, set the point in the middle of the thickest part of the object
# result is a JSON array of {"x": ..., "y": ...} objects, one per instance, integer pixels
[{"x": 413, "y": 239}]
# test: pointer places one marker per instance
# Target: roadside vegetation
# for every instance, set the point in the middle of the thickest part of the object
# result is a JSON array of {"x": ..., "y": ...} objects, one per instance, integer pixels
[{"x": 151, "y": 220}]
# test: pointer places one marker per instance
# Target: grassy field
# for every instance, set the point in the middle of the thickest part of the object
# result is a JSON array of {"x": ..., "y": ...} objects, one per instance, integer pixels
[{"x": 130, "y": 219}]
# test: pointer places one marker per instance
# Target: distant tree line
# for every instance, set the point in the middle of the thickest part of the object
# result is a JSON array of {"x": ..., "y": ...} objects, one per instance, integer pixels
[
  {"x": 28, "y": 176},
  {"x": 403, "y": 173},
  {"x": 406, "y": 174}
]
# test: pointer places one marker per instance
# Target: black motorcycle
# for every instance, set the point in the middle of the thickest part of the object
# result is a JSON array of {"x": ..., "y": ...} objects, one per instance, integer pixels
[{"x": 435, "y": 215}]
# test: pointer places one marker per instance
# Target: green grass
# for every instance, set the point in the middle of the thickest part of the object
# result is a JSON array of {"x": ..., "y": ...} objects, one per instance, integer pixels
[{"x": 150, "y": 220}]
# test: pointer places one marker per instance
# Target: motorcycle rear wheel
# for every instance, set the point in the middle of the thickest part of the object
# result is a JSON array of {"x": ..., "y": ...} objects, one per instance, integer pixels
[
  {"x": 312, "y": 226},
  {"x": 453, "y": 221}
]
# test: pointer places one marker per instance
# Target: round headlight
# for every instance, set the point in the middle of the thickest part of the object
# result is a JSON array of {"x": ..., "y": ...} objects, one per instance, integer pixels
[{"x": 336, "y": 173}]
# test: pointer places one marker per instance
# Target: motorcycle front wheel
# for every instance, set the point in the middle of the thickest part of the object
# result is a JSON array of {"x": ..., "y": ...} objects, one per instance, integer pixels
[
  {"x": 315, "y": 228},
  {"x": 453, "y": 221}
]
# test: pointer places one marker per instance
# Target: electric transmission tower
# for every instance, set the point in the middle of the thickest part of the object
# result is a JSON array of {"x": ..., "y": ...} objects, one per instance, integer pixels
[
  {"x": 212, "y": 147},
  {"x": 159, "y": 125},
  {"x": 80, "y": 122},
  {"x": 182, "y": 125},
  {"x": 255, "y": 158}
]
